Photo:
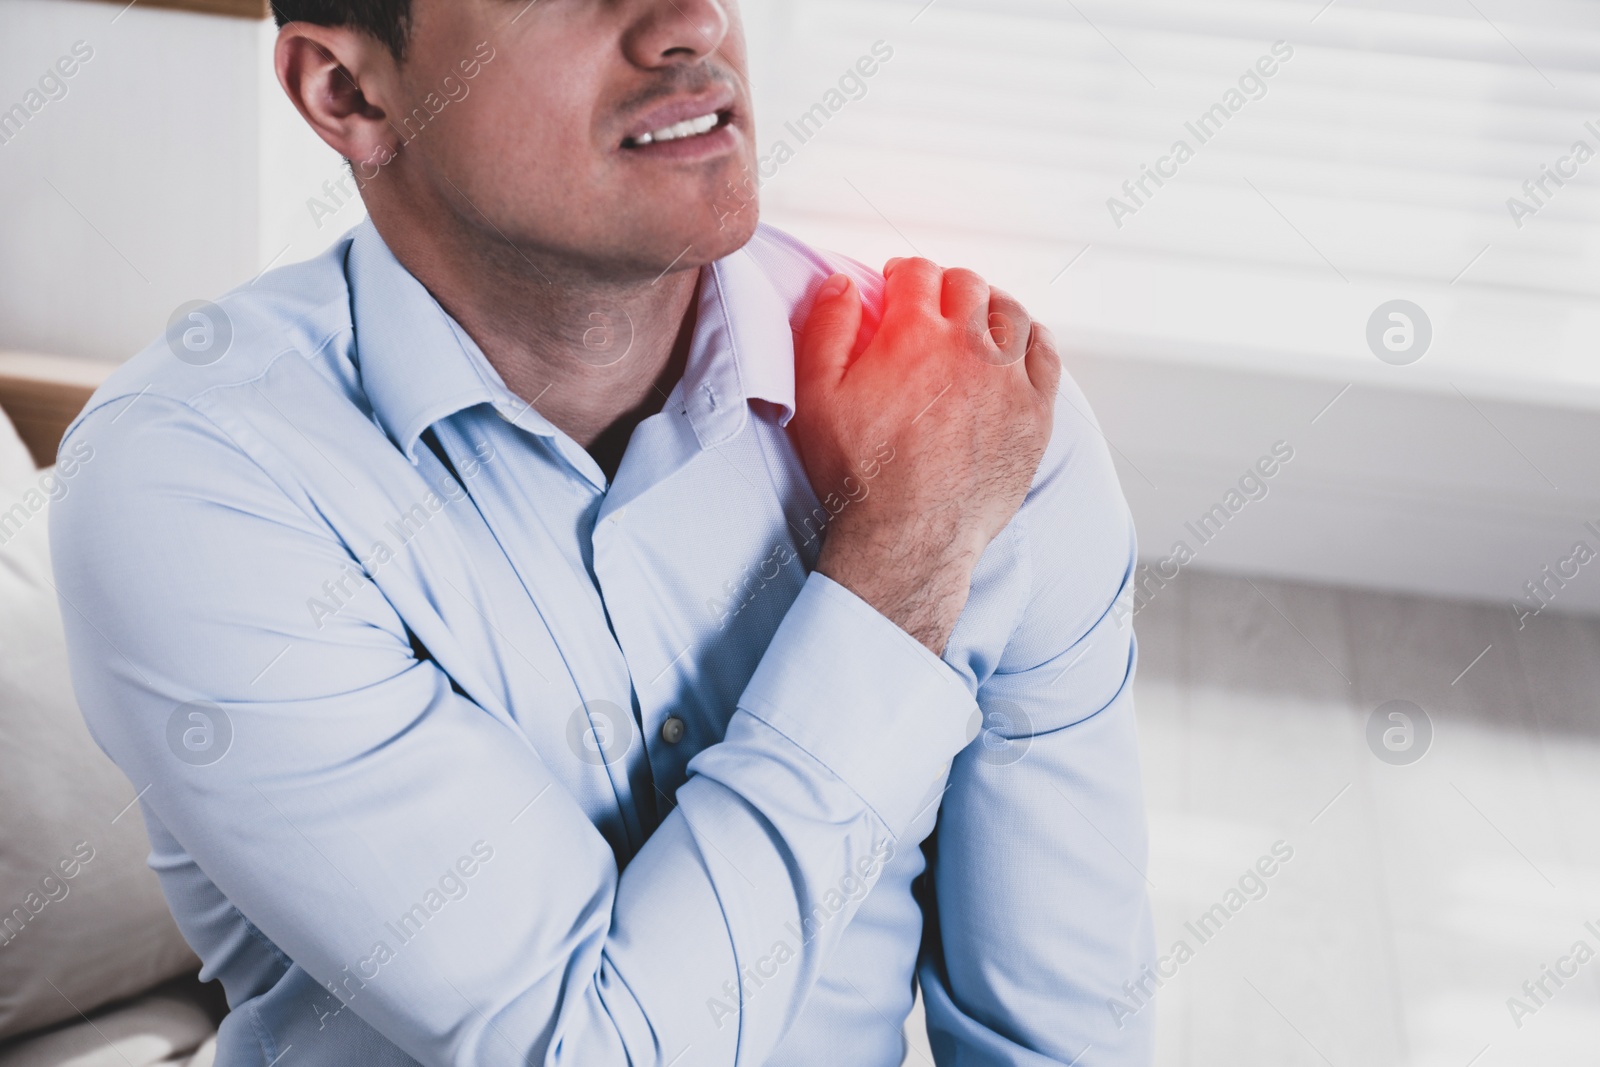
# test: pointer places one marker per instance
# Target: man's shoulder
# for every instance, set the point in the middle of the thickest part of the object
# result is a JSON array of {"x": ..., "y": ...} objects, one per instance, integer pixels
[
  {"x": 1077, "y": 466},
  {"x": 1075, "y": 529},
  {"x": 302, "y": 309},
  {"x": 797, "y": 270}
]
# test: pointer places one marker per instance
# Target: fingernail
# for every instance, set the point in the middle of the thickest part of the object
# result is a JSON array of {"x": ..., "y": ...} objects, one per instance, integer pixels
[{"x": 834, "y": 287}]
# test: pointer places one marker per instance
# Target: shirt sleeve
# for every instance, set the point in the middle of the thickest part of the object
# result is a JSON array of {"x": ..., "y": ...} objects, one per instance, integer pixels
[
  {"x": 330, "y": 784},
  {"x": 1039, "y": 906}
]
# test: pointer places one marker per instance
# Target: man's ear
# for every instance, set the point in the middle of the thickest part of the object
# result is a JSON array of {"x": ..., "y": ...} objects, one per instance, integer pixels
[{"x": 339, "y": 79}]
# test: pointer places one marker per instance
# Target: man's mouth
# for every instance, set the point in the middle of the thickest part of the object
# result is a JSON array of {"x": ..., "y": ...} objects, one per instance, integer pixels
[{"x": 681, "y": 131}]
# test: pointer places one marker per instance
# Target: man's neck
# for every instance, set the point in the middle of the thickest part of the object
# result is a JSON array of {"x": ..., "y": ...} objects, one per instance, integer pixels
[{"x": 593, "y": 356}]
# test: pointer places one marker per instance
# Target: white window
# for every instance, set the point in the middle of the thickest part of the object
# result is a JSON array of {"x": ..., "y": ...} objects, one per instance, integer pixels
[{"x": 1422, "y": 149}]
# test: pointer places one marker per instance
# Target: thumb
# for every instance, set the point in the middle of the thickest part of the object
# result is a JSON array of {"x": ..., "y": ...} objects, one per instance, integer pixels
[{"x": 829, "y": 335}]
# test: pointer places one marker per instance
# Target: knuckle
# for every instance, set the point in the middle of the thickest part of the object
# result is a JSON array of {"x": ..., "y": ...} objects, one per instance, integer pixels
[
  {"x": 1004, "y": 300},
  {"x": 903, "y": 263}
]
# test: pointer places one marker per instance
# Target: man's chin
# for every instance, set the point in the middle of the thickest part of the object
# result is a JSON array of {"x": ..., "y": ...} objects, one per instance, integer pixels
[
  {"x": 715, "y": 218},
  {"x": 691, "y": 247},
  {"x": 734, "y": 233}
]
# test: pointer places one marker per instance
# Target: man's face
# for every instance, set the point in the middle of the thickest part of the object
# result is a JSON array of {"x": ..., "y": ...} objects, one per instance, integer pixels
[{"x": 570, "y": 136}]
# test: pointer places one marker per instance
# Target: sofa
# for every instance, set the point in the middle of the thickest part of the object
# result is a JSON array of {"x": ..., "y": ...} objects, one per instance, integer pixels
[{"x": 93, "y": 970}]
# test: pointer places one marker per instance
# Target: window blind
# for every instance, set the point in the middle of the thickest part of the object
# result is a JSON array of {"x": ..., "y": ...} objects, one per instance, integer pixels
[{"x": 1238, "y": 181}]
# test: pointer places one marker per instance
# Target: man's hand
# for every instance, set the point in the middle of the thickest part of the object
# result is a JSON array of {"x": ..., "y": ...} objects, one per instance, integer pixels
[{"x": 924, "y": 445}]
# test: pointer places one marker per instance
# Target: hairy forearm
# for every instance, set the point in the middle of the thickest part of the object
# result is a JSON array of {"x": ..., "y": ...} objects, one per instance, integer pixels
[{"x": 921, "y": 586}]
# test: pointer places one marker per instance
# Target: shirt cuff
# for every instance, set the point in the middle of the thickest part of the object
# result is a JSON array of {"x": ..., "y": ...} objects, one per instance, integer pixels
[{"x": 864, "y": 698}]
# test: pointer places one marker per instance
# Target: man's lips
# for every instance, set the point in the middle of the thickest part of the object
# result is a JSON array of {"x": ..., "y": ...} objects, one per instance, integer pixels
[{"x": 682, "y": 118}]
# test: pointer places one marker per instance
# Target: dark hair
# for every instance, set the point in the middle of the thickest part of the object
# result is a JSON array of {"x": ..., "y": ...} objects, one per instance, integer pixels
[{"x": 387, "y": 20}]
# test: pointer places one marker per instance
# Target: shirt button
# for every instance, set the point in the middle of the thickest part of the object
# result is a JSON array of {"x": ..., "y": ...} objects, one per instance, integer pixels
[{"x": 672, "y": 730}]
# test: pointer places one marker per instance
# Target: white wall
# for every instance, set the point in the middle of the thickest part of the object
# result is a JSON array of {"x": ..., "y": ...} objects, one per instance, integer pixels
[
  {"x": 174, "y": 169},
  {"x": 1391, "y": 488}
]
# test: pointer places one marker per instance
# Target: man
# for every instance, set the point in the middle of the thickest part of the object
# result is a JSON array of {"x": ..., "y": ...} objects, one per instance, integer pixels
[{"x": 530, "y": 652}]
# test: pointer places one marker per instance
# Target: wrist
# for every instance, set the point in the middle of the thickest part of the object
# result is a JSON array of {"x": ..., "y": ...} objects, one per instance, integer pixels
[{"x": 921, "y": 591}]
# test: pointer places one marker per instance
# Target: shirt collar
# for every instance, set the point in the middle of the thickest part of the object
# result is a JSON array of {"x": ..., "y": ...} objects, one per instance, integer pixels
[
  {"x": 419, "y": 366},
  {"x": 743, "y": 350}
]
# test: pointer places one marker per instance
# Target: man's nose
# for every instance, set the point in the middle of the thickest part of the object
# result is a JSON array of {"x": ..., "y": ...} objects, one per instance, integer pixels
[{"x": 672, "y": 32}]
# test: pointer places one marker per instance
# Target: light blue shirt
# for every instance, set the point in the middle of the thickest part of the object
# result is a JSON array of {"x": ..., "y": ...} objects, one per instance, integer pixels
[{"x": 499, "y": 763}]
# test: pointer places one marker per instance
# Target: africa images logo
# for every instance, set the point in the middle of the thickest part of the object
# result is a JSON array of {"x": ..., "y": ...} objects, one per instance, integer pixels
[
  {"x": 199, "y": 333},
  {"x": 1399, "y": 733},
  {"x": 1399, "y": 333},
  {"x": 199, "y": 733}
]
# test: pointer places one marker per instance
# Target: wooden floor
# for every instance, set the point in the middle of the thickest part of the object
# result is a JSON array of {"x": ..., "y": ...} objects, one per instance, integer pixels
[{"x": 1420, "y": 897}]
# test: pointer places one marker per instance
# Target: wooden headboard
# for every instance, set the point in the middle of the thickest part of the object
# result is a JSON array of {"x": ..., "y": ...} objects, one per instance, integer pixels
[
  {"x": 249, "y": 9},
  {"x": 43, "y": 394}
]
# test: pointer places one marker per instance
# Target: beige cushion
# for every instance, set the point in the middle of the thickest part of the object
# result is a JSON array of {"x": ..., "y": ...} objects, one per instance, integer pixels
[
  {"x": 170, "y": 1027},
  {"x": 16, "y": 465},
  {"x": 82, "y": 919}
]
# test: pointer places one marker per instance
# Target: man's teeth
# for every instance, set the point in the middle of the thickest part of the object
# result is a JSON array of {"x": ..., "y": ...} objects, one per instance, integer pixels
[{"x": 686, "y": 128}]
